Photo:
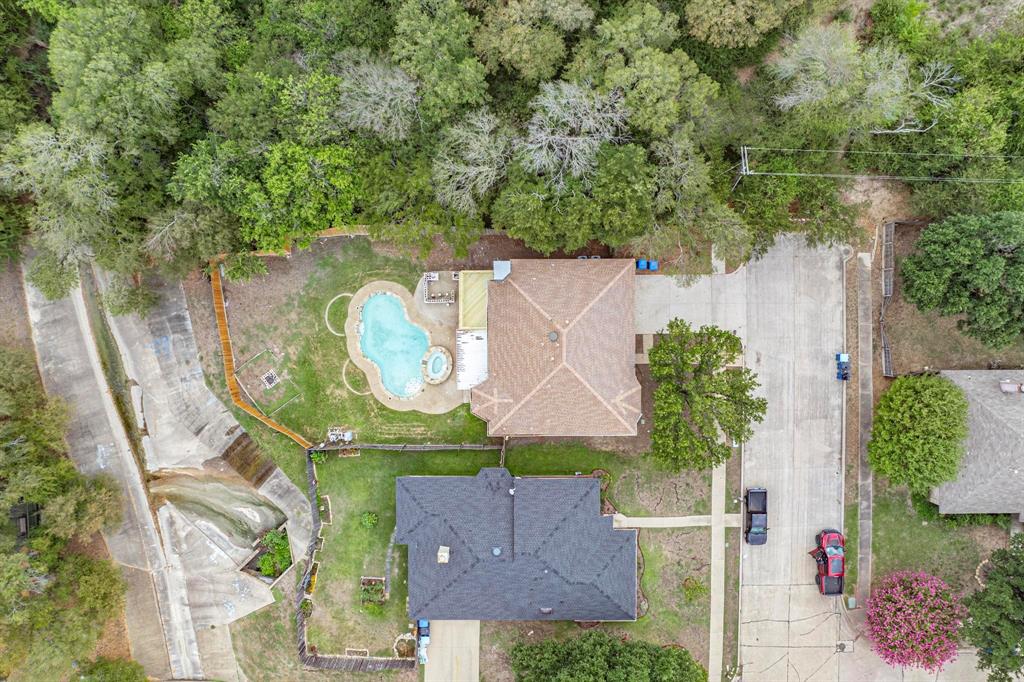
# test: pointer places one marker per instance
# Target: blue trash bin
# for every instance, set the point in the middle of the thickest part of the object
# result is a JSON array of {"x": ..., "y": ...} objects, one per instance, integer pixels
[
  {"x": 652, "y": 265},
  {"x": 641, "y": 264}
]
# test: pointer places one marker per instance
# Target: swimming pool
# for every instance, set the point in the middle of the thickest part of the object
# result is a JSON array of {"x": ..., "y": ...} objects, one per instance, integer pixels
[{"x": 393, "y": 343}]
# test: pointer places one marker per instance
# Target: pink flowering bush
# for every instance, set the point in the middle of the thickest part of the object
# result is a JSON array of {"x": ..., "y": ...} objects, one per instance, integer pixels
[{"x": 914, "y": 619}]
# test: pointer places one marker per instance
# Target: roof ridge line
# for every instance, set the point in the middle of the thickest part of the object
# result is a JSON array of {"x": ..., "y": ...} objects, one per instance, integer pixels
[
  {"x": 529, "y": 300},
  {"x": 556, "y": 526},
  {"x": 600, "y": 294},
  {"x": 597, "y": 395},
  {"x": 515, "y": 408}
]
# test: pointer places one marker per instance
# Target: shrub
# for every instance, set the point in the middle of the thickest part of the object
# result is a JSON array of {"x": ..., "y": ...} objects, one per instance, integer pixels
[
  {"x": 368, "y": 519},
  {"x": 930, "y": 512},
  {"x": 694, "y": 589},
  {"x": 306, "y": 607},
  {"x": 113, "y": 670},
  {"x": 918, "y": 432},
  {"x": 913, "y": 621},
  {"x": 598, "y": 656},
  {"x": 278, "y": 556},
  {"x": 318, "y": 457}
]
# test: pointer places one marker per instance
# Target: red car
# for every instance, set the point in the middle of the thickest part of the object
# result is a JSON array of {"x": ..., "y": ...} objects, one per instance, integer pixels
[{"x": 830, "y": 555}]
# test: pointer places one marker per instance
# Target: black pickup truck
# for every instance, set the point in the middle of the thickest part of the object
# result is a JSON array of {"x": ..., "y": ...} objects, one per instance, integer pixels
[{"x": 756, "y": 503}]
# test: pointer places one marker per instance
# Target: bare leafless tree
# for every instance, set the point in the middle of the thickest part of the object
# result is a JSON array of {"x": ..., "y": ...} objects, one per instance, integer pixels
[
  {"x": 375, "y": 96},
  {"x": 473, "y": 157},
  {"x": 569, "y": 124}
]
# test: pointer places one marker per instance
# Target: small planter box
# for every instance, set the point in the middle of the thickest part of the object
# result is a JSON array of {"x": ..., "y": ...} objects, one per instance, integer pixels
[{"x": 263, "y": 563}]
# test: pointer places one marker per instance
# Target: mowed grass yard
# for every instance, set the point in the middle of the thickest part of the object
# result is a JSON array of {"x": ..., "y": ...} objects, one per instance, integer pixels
[
  {"x": 367, "y": 483},
  {"x": 902, "y": 540}
]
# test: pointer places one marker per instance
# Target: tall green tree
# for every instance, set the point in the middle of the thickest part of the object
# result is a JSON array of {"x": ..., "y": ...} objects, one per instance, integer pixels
[
  {"x": 972, "y": 266},
  {"x": 736, "y": 23},
  {"x": 632, "y": 52},
  {"x": 996, "y": 623},
  {"x": 432, "y": 42},
  {"x": 703, "y": 402},
  {"x": 918, "y": 432},
  {"x": 53, "y": 600}
]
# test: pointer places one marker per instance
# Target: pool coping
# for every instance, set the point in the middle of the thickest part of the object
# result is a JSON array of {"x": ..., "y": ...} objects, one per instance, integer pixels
[{"x": 430, "y": 399}]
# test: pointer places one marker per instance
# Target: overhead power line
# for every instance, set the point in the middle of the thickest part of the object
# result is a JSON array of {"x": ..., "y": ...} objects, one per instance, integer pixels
[{"x": 745, "y": 168}]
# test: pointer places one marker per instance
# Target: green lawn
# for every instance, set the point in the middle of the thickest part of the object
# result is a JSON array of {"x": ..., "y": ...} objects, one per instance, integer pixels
[
  {"x": 367, "y": 483},
  {"x": 901, "y": 540},
  {"x": 356, "y": 485},
  {"x": 851, "y": 532}
]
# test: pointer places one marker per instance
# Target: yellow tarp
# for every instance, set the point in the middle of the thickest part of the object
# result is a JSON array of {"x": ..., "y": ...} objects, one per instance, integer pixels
[{"x": 473, "y": 298}]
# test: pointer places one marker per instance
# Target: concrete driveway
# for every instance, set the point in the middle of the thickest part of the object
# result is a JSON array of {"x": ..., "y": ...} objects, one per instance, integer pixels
[{"x": 454, "y": 651}]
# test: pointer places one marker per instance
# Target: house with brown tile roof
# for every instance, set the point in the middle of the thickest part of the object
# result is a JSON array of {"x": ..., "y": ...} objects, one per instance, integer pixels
[{"x": 561, "y": 350}]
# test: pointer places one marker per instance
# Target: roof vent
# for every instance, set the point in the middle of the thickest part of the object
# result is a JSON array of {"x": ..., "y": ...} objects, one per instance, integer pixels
[
  {"x": 496, "y": 551},
  {"x": 546, "y": 610},
  {"x": 511, "y": 491},
  {"x": 1009, "y": 386},
  {"x": 443, "y": 554}
]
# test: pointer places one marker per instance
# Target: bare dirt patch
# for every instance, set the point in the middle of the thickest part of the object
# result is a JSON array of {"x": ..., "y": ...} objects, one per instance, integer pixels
[
  {"x": 879, "y": 202},
  {"x": 15, "y": 331}
]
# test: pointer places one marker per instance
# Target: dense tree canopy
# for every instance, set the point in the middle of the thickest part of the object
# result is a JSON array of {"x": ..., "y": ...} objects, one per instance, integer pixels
[
  {"x": 704, "y": 402},
  {"x": 140, "y": 135},
  {"x": 53, "y": 600},
  {"x": 597, "y": 656},
  {"x": 918, "y": 432},
  {"x": 972, "y": 265},
  {"x": 996, "y": 623}
]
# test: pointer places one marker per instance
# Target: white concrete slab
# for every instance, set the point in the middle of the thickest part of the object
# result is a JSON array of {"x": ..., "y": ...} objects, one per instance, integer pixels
[{"x": 454, "y": 651}]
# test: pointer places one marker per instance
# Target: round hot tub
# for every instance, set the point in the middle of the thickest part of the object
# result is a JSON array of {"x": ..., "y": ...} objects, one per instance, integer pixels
[{"x": 436, "y": 365}]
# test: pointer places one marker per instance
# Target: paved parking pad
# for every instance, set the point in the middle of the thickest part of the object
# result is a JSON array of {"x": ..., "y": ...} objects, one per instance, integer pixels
[{"x": 454, "y": 651}]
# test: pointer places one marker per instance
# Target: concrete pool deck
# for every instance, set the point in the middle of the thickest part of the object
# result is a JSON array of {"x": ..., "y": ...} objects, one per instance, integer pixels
[{"x": 437, "y": 319}]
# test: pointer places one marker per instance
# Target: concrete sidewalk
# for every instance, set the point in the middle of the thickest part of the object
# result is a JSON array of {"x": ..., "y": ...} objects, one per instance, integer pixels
[
  {"x": 623, "y": 521},
  {"x": 717, "y": 626},
  {"x": 161, "y": 634}
]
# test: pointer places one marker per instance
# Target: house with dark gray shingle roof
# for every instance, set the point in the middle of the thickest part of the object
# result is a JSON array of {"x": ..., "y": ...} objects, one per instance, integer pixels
[
  {"x": 498, "y": 547},
  {"x": 991, "y": 476}
]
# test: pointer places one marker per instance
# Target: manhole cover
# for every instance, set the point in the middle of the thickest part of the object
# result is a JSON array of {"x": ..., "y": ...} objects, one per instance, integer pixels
[{"x": 270, "y": 379}]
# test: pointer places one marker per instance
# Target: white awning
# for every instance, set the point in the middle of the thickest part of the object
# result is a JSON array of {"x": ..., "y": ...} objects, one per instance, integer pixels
[{"x": 470, "y": 358}]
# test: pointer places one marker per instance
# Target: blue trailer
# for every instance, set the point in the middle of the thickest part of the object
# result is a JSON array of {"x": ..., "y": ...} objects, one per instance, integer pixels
[{"x": 422, "y": 639}]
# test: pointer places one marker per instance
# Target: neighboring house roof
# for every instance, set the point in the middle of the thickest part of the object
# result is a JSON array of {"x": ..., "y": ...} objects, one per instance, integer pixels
[
  {"x": 561, "y": 350},
  {"x": 554, "y": 549},
  {"x": 991, "y": 477}
]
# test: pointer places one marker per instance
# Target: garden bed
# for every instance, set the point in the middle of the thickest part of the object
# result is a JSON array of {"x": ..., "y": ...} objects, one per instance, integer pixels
[{"x": 273, "y": 557}]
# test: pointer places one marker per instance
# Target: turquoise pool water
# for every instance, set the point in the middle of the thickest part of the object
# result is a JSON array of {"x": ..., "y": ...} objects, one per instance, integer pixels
[{"x": 394, "y": 344}]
